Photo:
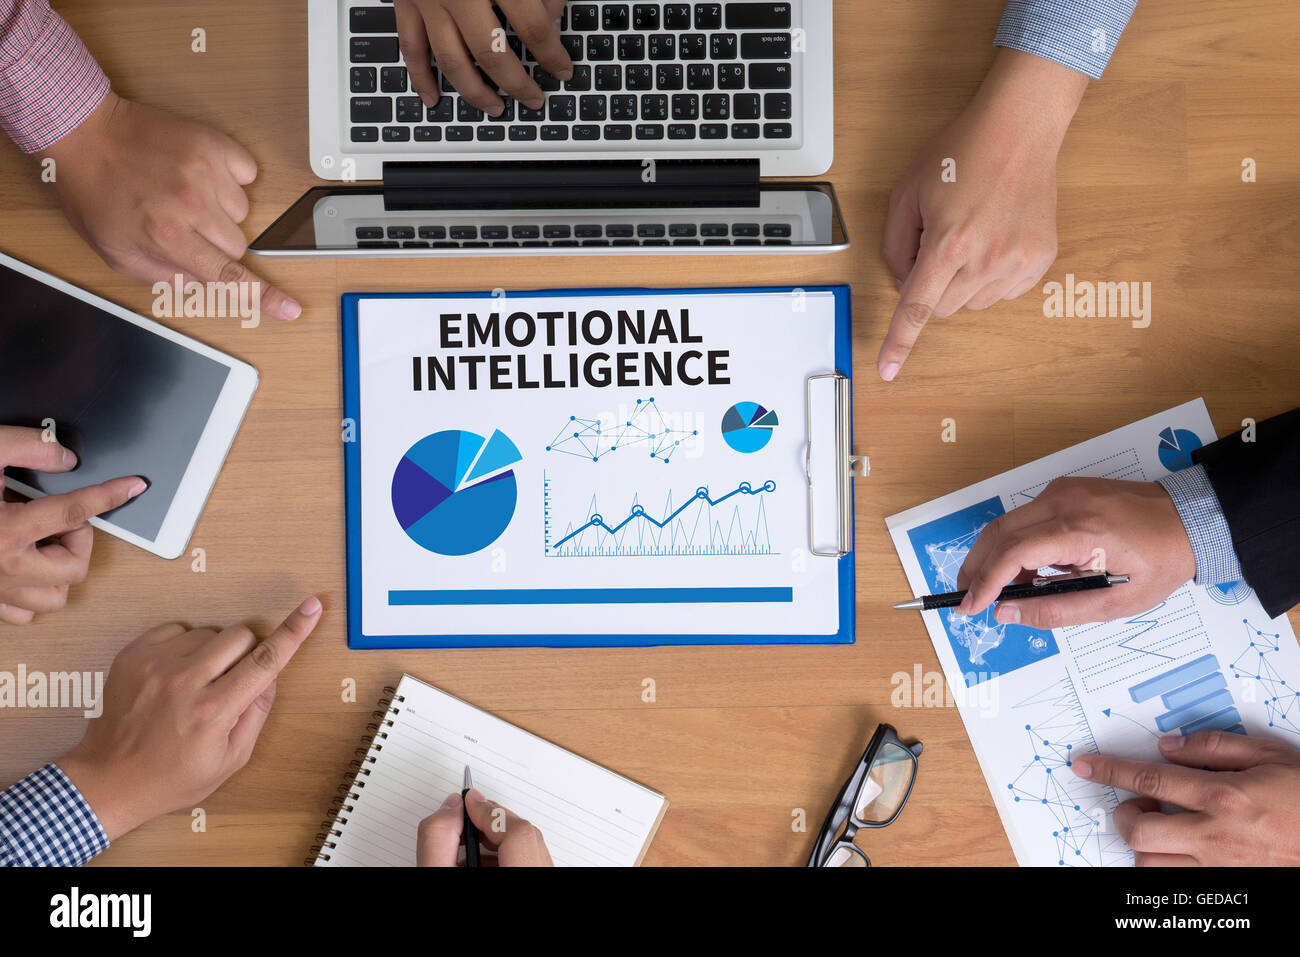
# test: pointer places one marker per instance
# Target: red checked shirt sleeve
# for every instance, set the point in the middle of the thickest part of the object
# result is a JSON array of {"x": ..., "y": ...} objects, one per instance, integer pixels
[{"x": 49, "y": 82}]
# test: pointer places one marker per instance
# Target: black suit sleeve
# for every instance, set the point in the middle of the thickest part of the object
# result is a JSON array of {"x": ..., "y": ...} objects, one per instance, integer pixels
[{"x": 1258, "y": 486}]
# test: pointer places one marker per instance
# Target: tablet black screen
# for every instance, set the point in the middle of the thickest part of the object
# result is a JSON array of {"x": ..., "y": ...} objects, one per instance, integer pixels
[{"x": 126, "y": 401}]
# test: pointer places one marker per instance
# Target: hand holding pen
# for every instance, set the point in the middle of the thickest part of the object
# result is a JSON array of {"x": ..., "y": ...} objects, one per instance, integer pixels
[{"x": 501, "y": 838}]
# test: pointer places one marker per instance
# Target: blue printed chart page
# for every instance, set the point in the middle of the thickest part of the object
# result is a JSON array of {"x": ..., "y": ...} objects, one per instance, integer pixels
[
  {"x": 627, "y": 468},
  {"x": 1032, "y": 699}
]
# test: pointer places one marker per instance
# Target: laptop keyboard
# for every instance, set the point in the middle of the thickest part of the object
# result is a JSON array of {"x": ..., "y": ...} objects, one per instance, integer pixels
[
  {"x": 672, "y": 75},
  {"x": 584, "y": 233}
]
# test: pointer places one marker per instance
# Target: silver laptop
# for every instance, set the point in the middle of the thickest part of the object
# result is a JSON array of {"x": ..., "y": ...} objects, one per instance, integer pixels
[{"x": 674, "y": 118}]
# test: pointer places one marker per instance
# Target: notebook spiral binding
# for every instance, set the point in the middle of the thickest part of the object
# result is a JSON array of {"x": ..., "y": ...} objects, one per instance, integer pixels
[{"x": 353, "y": 781}]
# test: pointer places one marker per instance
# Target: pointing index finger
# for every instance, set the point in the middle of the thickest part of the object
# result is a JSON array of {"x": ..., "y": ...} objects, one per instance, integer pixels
[
  {"x": 241, "y": 685},
  {"x": 918, "y": 297}
]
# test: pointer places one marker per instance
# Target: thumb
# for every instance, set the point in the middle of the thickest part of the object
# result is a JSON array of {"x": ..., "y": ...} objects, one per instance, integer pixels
[
  {"x": 438, "y": 842},
  {"x": 1060, "y": 611},
  {"x": 1225, "y": 751},
  {"x": 28, "y": 449}
]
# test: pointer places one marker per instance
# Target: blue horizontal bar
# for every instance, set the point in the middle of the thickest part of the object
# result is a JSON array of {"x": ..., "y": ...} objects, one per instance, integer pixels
[
  {"x": 1225, "y": 720},
  {"x": 1210, "y": 704},
  {"x": 587, "y": 596},
  {"x": 1174, "y": 678},
  {"x": 1197, "y": 689}
]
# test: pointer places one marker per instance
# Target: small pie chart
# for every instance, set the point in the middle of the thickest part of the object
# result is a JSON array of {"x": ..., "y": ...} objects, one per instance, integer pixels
[
  {"x": 747, "y": 426},
  {"x": 454, "y": 492},
  {"x": 1176, "y": 448}
]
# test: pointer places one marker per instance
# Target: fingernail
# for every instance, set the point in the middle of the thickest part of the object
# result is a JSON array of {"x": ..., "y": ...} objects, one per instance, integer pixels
[
  {"x": 1172, "y": 742},
  {"x": 1007, "y": 614},
  {"x": 965, "y": 607},
  {"x": 535, "y": 104},
  {"x": 889, "y": 372},
  {"x": 291, "y": 309},
  {"x": 452, "y": 800},
  {"x": 138, "y": 488},
  {"x": 429, "y": 101},
  {"x": 497, "y": 110},
  {"x": 477, "y": 795},
  {"x": 1082, "y": 767},
  {"x": 564, "y": 75},
  {"x": 69, "y": 459},
  {"x": 311, "y": 606}
]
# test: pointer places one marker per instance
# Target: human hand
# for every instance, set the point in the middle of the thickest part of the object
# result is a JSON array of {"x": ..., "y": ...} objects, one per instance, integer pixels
[
  {"x": 463, "y": 36},
  {"x": 157, "y": 196},
  {"x": 1081, "y": 525},
  {"x": 991, "y": 233},
  {"x": 1243, "y": 810},
  {"x": 516, "y": 842},
  {"x": 45, "y": 544},
  {"x": 182, "y": 710}
]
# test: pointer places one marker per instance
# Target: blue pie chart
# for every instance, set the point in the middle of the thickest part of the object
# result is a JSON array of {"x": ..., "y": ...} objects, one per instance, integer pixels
[
  {"x": 454, "y": 492},
  {"x": 747, "y": 426},
  {"x": 1176, "y": 447}
]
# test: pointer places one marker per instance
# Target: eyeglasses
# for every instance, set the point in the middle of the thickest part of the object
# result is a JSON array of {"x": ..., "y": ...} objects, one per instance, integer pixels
[{"x": 873, "y": 797}]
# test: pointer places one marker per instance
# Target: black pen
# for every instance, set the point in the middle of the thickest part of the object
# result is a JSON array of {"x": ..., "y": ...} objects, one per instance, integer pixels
[
  {"x": 1038, "y": 588},
  {"x": 471, "y": 832}
]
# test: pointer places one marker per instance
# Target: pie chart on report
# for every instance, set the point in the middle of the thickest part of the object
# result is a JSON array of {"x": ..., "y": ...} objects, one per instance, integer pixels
[
  {"x": 1176, "y": 447},
  {"x": 747, "y": 426},
  {"x": 454, "y": 492}
]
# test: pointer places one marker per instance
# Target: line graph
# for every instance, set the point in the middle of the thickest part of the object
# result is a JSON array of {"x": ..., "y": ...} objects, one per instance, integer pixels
[
  {"x": 643, "y": 426},
  {"x": 700, "y": 525}
]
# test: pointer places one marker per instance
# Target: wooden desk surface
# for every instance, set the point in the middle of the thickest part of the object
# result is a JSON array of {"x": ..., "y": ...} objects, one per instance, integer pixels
[{"x": 1150, "y": 190}]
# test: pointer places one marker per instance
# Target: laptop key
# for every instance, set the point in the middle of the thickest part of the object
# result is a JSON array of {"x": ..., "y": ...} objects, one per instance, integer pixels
[
  {"x": 376, "y": 244},
  {"x": 686, "y": 106},
  {"x": 600, "y": 46},
  {"x": 581, "y": 80},
  {"x": 584, "y": 16},
  {"x": 371, "y": 109},
  {"x": 717, "y": 106},
  {"x": 693, "y": 46},
  {"x": 714, "y": 229},
  {"x": 433, "y": 232},
  {"x": 524, "y": 232},
  {"x": 464, "y": 232},
  {"x": 699, "y": 76},
  {"x": 392, "y": 79},
  {"x": 609, "y": 77},
  {"x": 618, "y": 230},
  {"x": 778, "y": 106},
  {"x": 410, "y": 109},
  {"x": 618, "y": 131},
  {"x": 708, "y": 16},
  {"x": 459, "y": 134},
  {"x": 591, "y": 231},
  {"x": 554, "y": 134},
  {"x": 557, "y": 232},
  {"x": 614, "y": 16},
  {"x": 586, "y": 133},
  {"x": 494, "y": 232},
  {"x": 563, "y": 108},
  {"x": 654, "y": 106},
  {"x": 686, "y": 242},
  {"x": 397, "y": 134},
  {"x": 765, "y": 46},
  {"x": 372, "y": 20},
  {"x": 677, "y": 16},
  {"x": 645, "y": 16},
  {"x": 746, "y": 106},
  {"x": 491, "y": 134},
  {"x": 713, "y": 131},
  {"x": 668, "y": 76},
  {"x": 663, "y": 46},
  {"x": 639, "y": 76},
  {"x": 374, "y": 50},
  {"x": 370, "y": 232},
  {"x": 681, "y": 131},
  {"x": 758, "y": 16},
  {"x": 593, "y": 108},
  {"x": 573, "y": 46},
  {"x": 744, "y": 131},
  {"x": 441, "y": 113},
  {"x": 365, "y": 134},
  {"x": 650, "y": 231},
  {"x": 507, "y": 114},
  {"x": 545, "y": 80},
  {"x": 428, "y": 134},
  {"x": 401, "y": 232},
  {"x": 744, "y": 229},
  {"x": 631, "y": 46},
  {"x": 595, "y": 242},
  {"x": 467, "y": 113},
  {"x": 722, "y": 46},
  {"x": 531, "y": 116},
  {"x": 777, "y": 230},
  {"x": 415, "y": 244},
  {"x": 521, "y": 134},
  {"x": 679, "y": 230},
  {"x": 778, "y": 131},
  {"x": 731, "y": 76},
  {"x": 363, "y": 79},
  {"x": 769, "y": 76},
  {"x": 622, "y": 107},
  {"x": 650, "y": 131}
]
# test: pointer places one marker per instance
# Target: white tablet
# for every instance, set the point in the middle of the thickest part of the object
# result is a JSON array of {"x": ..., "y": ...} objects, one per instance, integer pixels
[{"x": 128, "y": 395}]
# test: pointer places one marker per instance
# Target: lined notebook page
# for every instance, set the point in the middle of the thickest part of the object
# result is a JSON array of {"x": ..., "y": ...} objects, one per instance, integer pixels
[{"x": 588, "y": 815}]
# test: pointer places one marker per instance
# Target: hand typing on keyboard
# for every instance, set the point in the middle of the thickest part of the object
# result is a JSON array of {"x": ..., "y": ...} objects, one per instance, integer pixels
[
  {"x": 973, "y": 221},
  {"x": 470, "y": 43},
  {"x": 157, "y": 195}
]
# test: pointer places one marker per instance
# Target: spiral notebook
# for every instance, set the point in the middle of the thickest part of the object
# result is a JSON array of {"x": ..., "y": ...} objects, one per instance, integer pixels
[{"x": 422, "y": 741}]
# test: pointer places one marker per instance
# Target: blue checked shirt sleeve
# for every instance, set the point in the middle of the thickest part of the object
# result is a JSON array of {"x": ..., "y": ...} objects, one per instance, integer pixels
[
  {"x": 1207, "y": 529},
  {"x": 1079, "y": 34},
  {"x": 45, "y": 822}
]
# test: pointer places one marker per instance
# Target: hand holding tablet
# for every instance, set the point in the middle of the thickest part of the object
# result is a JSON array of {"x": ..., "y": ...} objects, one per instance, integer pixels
[{"x": 45, "y": 544}]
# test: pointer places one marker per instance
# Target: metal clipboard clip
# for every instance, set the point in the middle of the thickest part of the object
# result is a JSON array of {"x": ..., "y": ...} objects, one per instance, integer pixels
[{"x": 848, "y": 465}]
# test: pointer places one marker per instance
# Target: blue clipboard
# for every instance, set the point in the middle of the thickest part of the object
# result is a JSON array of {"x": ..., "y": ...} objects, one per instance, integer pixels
[{"x": 353, "y": 412}]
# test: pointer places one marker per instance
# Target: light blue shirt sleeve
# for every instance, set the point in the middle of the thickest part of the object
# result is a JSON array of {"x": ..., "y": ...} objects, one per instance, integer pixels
[
  {"x": 1079, "y": 34},
  {"x": 1207, "y": 528},
  {"x": 45, "y": 822}
]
